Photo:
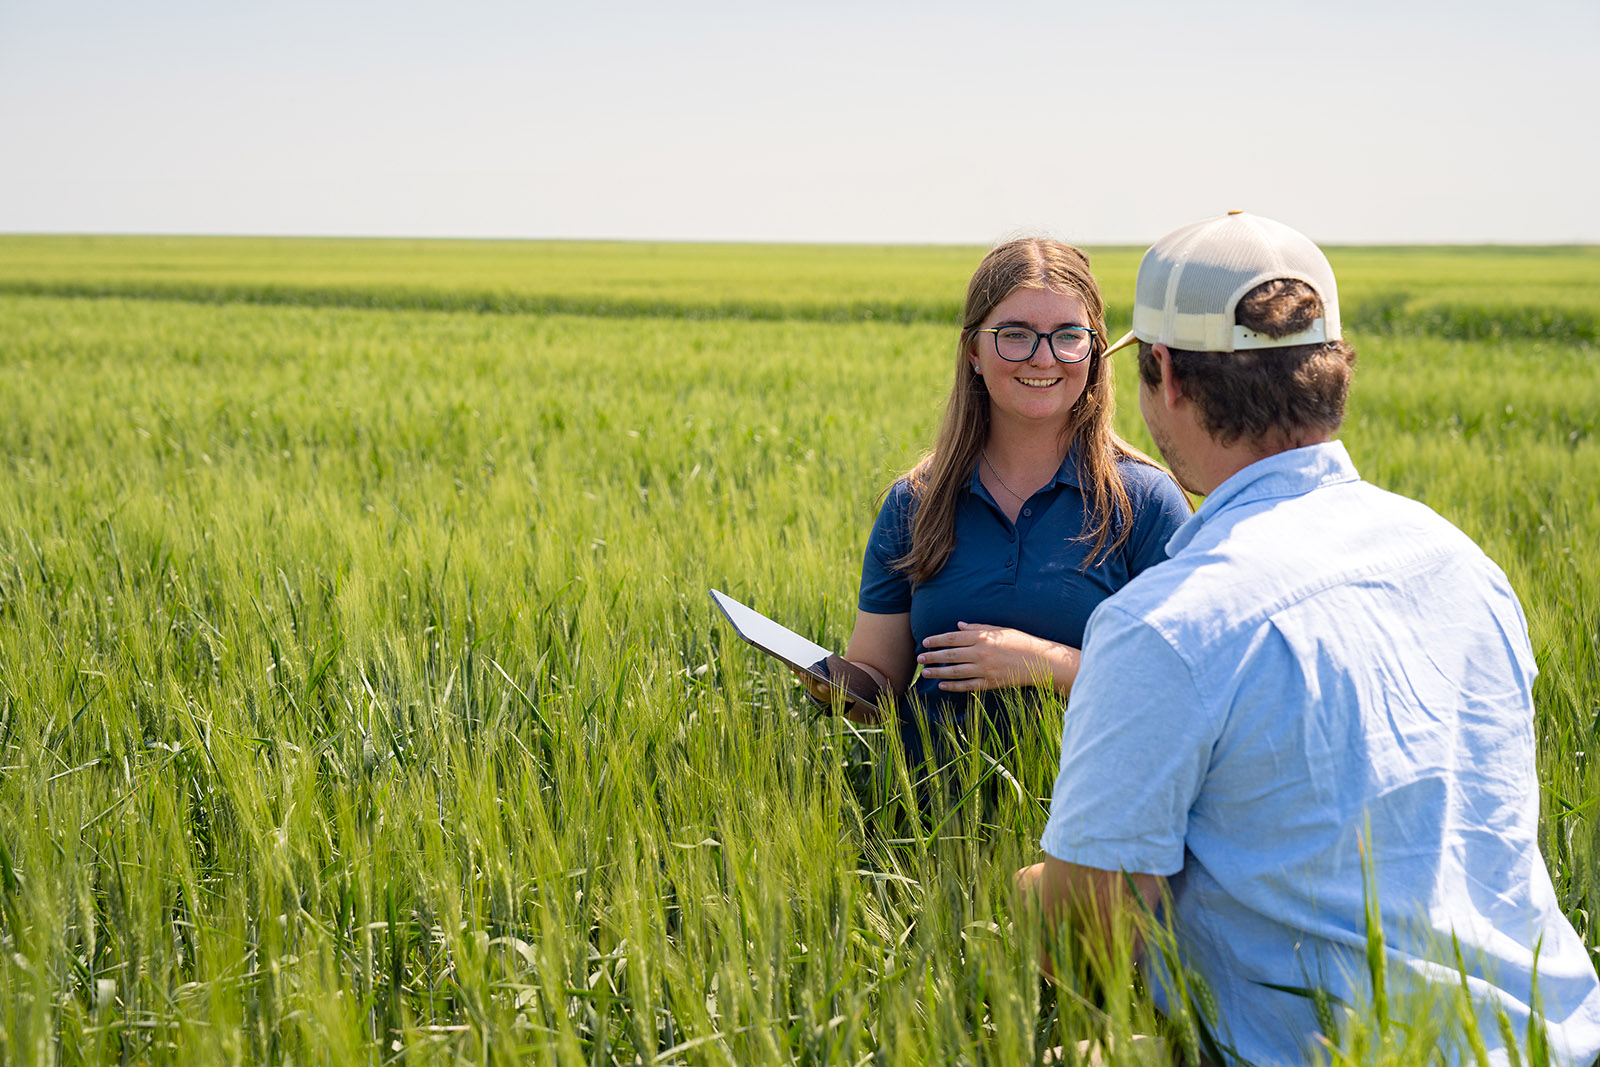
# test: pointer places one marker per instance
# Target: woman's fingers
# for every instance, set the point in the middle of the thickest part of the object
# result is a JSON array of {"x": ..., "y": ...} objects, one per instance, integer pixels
[
  {"x": 980, "y": 656},
  {"x": 957, "y": 646},
  {"x": 966, "y": 634},
  {"x": 958, "y": 669},
  {"x": 969, "y": 685},
  {"x": 953, "y": 639},
  {"x": 818, "y": 690}
]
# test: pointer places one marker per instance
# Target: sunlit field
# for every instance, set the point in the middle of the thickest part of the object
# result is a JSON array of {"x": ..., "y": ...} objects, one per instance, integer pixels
[
  {"x": 361, "y": 700},
  {"x": 1462, "y": 293}
]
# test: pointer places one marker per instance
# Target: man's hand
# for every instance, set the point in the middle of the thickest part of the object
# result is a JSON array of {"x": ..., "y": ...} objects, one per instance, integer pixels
[{"x": 978, "y": 656}]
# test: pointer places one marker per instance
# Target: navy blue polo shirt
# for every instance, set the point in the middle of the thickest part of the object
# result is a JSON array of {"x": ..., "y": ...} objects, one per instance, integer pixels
[{"x": 1031, "y": 575}]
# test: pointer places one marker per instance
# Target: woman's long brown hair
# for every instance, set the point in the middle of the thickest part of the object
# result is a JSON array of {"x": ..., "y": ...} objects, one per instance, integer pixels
[{"x": 941, "y": 476}]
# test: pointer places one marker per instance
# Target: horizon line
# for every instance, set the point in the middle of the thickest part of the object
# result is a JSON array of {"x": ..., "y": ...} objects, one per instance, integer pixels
[{"x": 1452, "y": 242}]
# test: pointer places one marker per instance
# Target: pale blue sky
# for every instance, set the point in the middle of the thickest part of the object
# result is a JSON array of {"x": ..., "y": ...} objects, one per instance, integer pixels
[{"x": 926, "y": 121}]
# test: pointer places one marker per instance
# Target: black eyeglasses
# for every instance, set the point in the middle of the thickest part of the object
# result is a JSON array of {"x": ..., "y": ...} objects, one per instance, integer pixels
[{"x": 1014, "y": 344}]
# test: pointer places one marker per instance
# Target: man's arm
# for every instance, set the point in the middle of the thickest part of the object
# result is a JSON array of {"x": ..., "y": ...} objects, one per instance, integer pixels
[
  {"x": 1136, "y": 741},
  {"x": 1091, "y": 900}
]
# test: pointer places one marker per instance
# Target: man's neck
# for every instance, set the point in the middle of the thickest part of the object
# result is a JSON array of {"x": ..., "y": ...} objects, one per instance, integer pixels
[{"x": 1218, "y": 463}]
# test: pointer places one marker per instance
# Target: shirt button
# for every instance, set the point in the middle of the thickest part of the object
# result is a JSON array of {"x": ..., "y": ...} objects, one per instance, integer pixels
[
  {"x": 1027, "y": 511},
  {"x": 1010, "y": 563}
]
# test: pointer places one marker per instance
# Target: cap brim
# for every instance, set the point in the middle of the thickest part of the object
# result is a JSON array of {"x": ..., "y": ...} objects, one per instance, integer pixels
[{"x": 1123, "y": 342}]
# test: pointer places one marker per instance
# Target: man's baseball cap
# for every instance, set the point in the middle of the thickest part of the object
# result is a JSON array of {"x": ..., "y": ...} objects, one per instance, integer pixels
[{"x": 1191, "y": 280}]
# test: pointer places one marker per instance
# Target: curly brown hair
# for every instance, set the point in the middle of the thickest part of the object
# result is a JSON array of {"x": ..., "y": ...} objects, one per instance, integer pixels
[{"x": 1265, "y": 394}]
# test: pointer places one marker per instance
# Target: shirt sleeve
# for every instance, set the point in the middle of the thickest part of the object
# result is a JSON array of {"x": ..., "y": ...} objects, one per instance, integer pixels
[
  {"x": 885, "y": 590},
  {"x": 1135, "y": 747},
  {"x": 1159, "y": 508}
]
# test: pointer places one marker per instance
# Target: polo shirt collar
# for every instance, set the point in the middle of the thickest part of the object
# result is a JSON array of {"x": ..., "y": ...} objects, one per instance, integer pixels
[
  {"x": 1066, "y": 474},
  {"x": 1293, "y": 473}
]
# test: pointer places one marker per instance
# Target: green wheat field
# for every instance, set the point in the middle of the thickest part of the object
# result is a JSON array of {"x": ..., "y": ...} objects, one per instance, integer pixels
[{"x": 361, "y": 700}]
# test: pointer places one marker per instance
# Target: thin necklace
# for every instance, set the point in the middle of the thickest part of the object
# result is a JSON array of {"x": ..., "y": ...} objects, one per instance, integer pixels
[{"x": 984, "y": 454}]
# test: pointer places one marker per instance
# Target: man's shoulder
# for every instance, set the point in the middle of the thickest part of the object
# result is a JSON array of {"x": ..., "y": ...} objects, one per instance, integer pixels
[
  {"x": 1326, "y": 526},
  {"x": 1250, "y": 560},
  {"x": 1352, "y": 527}
]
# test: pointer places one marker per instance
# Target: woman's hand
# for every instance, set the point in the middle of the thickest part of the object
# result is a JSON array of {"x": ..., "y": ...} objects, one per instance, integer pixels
[
  {"x": 860, "y": 711},
  {"x": 978, "y": 656},
  {"x": 816, "y": 688}
]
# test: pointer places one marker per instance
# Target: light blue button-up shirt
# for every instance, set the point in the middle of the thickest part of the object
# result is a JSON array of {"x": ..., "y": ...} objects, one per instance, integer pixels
[{"x": 1323, "y": 670}]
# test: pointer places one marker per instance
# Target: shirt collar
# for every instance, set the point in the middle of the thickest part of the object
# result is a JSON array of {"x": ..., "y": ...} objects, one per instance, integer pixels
[
  {"x": 1293, "y": 473},
  {"x": 1066, "y": 474}
]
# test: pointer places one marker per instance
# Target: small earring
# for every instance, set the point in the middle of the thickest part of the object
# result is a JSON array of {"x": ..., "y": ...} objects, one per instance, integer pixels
[{"x": 975, "y": 369}]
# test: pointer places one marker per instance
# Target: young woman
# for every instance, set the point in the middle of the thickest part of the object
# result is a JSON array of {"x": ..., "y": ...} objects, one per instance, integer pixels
[{"x": 987, "y": 558}]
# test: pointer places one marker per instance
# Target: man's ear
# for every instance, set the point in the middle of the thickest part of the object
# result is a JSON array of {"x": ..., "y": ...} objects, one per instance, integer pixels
[{"x": 1171, "y": 391}]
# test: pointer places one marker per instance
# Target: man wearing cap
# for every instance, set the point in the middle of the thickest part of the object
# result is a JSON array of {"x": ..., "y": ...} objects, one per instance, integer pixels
[{"x": 1324, "y": 688}]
